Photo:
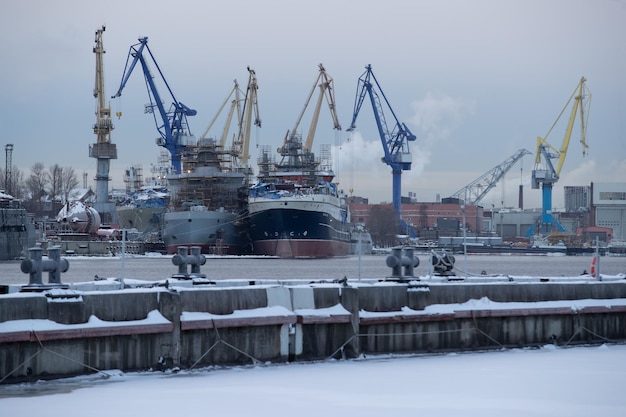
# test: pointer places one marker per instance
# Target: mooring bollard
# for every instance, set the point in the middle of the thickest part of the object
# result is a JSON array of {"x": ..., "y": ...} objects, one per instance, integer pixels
[
  {"x": 402, "y": 257},
  {"x": 442, "y": 262},
  {"x": 35, "y": 265},
  {"x": 184, "y": 258}
]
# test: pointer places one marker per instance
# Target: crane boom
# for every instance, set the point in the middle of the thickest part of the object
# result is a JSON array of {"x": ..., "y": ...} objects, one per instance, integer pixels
[
  {"x": 544, "y": 174},
  {"x": 173, "y": 125},
  {"x": 242, "y": 145},
  {"x": 395, "y": 142},
  {"x": 326, "y": 89},
  {"x": 234, "y": 105},
  {"x": 475, "y": 191}
]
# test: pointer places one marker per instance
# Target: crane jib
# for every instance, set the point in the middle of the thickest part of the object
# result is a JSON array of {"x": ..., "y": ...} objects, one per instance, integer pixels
[{"x": 171, "y": 124}]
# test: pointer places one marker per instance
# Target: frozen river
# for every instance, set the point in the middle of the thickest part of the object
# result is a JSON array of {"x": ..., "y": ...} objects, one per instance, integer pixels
[{"x": 573, "y": 382}]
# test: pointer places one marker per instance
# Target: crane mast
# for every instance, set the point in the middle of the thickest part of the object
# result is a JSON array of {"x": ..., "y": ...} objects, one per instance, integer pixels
[
  {"x": 326, "y": 90},
  {"x": 475, "y": 191},
  {"x": 172, "y": 124},
  {"x": 240, "y": 150},
  {"x": 395, "y": 142},
  {"x": 544, "y": 174},
  {"x": 242, "y": 145},
  {"x": 103, "y": 150}
]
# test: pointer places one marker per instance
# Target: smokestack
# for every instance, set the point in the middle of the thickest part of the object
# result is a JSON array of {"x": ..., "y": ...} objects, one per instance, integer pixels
[{"x": 521, "y": 197}]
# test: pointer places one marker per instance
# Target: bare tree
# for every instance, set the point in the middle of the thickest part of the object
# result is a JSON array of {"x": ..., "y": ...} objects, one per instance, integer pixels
[
  {"x": 36, "y": 184},
  {"x": 55, "y": 179},
  {"x": 3, "y": 180},
  {"x": 17, "y": 183},
  {"x": 19, "y": 188},
  {"x": 69, "y": 181},
  {"x": 383, "y": 225}
]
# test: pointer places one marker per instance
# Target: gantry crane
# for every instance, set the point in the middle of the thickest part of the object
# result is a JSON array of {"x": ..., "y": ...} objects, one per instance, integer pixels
[
  {"x": 395, "y": 142},
  {"x": 544, "y": 174},
  {"x": 294, "y": 153},
  {"x": 474, "y": 192},
  {"x": 172, "y": 125}
]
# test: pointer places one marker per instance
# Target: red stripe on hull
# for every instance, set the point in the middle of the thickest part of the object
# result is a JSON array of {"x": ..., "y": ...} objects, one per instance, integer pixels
[{"x": 303, "y": 248}]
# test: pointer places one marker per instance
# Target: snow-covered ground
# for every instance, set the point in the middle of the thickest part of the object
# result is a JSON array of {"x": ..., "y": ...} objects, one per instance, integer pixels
[{"x": 551, "y": 381}]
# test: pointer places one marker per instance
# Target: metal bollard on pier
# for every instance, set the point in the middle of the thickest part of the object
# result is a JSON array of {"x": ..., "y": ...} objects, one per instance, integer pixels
[
  {"x": 189, "y": 256},
  {"x": 402, "y": 257},
  {"x": 442, "y": 263},
  {"x": 35, "y": 265}
]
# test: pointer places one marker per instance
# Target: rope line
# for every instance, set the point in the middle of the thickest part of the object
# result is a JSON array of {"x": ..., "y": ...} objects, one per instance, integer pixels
[
  {"x": 578, "y": 331},
  {"x": 353, "y": 337},
  {"x": 218, "y": 341},
  {"x": 20, "y": 365},
  {"x": 68, "y": 358},
  {"x": 473, "y": 329}
]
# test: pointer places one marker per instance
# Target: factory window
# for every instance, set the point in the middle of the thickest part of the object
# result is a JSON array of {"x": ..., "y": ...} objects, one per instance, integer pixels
[
  {"x": 612, "y": 195},
  {"x": 609, "y": 223}
]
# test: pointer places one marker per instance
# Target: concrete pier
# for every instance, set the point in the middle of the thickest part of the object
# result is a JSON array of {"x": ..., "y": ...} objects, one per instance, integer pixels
[{"x": 192, "y": 323}]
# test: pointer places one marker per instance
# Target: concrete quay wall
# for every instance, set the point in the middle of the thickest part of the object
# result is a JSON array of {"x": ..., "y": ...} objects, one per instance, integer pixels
[{"x": 63, "y": 332}]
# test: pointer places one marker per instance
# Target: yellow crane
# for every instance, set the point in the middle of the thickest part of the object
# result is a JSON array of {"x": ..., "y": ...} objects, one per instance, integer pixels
[
  {"x": 240, "y": 148},
  {"x": 103, "y": 150},
  {"x": 241, "y": 145},
  {"x": 544, "y": 174},
  {"x": 234, "y": 106},
  {"x": 326, "y": 90}
]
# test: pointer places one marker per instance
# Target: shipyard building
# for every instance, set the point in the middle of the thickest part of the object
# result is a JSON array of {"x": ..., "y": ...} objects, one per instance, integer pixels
[
  {"x": 594, "y": 211},
  {"x": 608, "y": 207}
]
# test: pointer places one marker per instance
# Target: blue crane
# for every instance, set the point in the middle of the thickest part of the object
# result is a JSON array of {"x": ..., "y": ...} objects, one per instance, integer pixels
[
  {"x": 172, "y": 124},
  {"x": 395, "y": 142}
]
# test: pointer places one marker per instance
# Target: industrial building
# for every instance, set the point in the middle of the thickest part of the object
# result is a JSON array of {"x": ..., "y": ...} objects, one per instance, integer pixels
[
  {"x": 609, "y": 207},
  {"x": 597, "y": 210}
]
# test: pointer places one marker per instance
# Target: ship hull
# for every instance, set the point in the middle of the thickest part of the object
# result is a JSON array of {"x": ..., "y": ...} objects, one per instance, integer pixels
[
  {"x": 214, "y": 231},
  {"x": 307, "y": 227},
  {"x": 143, "y": 219}
]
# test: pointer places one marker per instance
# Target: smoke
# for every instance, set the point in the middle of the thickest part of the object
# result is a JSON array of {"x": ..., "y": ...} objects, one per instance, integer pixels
[
  {"x": 437, "y": 116},
  {"x": 360, "y": 169},
  {"x": 435, "y": 119}
]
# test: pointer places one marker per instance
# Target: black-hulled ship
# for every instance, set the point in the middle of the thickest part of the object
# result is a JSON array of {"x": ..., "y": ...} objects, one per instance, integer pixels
[{"x": 296, "y": 210}]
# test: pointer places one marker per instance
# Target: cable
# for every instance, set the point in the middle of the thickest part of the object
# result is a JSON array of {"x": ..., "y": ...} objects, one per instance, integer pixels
[{"x": 217, "y": 342}]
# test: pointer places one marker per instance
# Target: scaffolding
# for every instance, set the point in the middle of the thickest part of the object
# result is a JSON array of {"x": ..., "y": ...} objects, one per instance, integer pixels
[
  {"x": 297, "y": 165},
  {"x": 133, "y": 178},
  {"x": 208, "y": 180}
]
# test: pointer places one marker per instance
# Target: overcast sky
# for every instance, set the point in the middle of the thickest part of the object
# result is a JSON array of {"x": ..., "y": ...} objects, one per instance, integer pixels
[{"x": 474, "y": 80}]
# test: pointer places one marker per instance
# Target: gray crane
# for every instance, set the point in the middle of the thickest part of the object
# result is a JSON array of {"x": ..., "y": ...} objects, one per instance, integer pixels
[{"x": 477, "y": 189}]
